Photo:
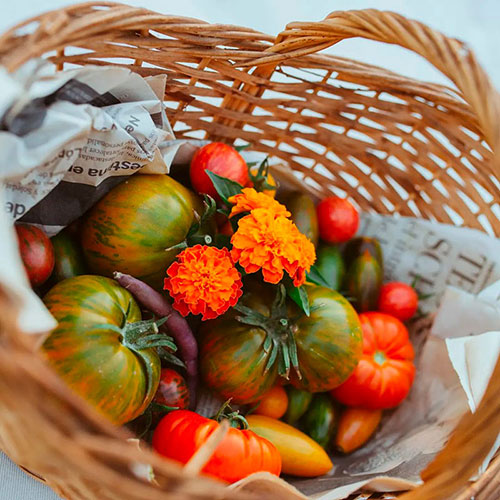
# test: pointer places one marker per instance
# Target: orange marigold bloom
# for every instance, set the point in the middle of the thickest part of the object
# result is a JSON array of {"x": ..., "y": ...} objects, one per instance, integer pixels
[
  {"x": 250, "y": 199},
  {"x": 274, "y": 244},
  {"x": 204, "y": 281}
]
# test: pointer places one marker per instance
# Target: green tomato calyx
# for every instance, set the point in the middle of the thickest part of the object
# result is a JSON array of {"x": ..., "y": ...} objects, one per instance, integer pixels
[
  {"x": 280, "y": 340},
  {"x": 235, "y": 419},
  {"x": 379, "y": 357}
]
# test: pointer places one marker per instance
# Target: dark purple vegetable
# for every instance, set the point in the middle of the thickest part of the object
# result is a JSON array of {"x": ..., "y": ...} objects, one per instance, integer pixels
[{"x": 177, "y": 326}]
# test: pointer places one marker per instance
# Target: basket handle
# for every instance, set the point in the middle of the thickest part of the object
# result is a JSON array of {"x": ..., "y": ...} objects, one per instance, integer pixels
[{"x": 452, "y": 57}]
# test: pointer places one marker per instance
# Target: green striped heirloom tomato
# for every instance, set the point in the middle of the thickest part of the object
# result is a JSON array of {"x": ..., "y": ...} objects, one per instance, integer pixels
[
  {"x": 131, "y": 228},
  {"x": 243, "y": 351},
  {"x": 99, "y": 346}
]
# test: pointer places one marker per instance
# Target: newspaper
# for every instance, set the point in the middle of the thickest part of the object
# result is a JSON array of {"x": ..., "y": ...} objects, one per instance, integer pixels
[{"x": 71, "y": 138}]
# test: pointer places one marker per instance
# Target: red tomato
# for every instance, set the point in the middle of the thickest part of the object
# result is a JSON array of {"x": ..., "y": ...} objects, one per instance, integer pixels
[
  {"x": 172, "y": 390},
  {"x": 221, "y": 159},
  {"x": 338, "y": 220},
  {"x": 398, "y": 299},
  {"x": 36, "y": 252},
  {"x": 226, "y": 229},
  {"x": 274, "y": 403},
  {"x": 386, "y": 371},
  {"x": 241, "y": 453}
]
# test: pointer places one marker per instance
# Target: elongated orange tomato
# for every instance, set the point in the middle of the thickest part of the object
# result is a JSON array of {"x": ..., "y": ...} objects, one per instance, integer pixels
[
  {"x": 300, "y": 455},
  {"x": 356, "y": 427},
  {"x": 241, "y": 452}
]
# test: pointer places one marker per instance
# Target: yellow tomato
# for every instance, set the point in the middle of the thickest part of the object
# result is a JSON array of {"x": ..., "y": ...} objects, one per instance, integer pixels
[
  {"x": 274, "y": 403},
  {"x": 300, "y": 455},
  {"x": 356, "y": 426}
]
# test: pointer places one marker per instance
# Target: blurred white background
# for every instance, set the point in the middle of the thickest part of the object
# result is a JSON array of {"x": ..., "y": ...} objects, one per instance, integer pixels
[{"x": 473, "y": 21}]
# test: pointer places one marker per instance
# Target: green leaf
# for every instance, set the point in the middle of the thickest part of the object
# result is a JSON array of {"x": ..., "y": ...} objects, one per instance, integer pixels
[
  {"x": 314, "y": 276},
  {"x": 300, "y": 297},
  {"x": 225, "y": 187},
  {"x": 210, "y": 208},
  {"x": 241, "y": 148}
]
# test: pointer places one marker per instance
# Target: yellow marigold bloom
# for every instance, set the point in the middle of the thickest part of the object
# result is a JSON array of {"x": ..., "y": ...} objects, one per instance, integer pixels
[
  {"x": 272, "y": 243},
  {"x": 204, "y": 281},
  {"x": 249, "y": 199}
]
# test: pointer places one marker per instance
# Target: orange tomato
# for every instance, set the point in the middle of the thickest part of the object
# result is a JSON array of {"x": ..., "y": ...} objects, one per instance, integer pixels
[
  {"x": 270, "y": 180},
  {"x": 274, "y": 403},
  {"x": 356, "y": 426}
]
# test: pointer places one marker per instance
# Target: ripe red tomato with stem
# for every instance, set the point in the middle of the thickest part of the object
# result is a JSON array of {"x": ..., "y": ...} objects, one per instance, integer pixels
[
  {"x": 385, "y": 373},
  {"x": 37, "y": 253},
  {"x": 338, "y": 219},
  {"x": 221, "y": 159},
  {"x": 398, "y": 299},
  {"x": 181, "y": 433}
]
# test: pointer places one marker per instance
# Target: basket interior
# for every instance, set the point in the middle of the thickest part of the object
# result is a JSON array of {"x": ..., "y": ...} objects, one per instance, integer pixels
[{"x": 391, "y": 144}]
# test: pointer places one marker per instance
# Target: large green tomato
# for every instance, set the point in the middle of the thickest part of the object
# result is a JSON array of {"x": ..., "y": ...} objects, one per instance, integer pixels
[
  {"x": 87, "y": 349},
  {"x": 234, "y": 355},
  {"x": 132, "y": 227}
]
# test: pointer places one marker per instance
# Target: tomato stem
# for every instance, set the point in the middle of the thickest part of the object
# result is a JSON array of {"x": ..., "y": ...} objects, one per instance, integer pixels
[
  {"x": 234, "y": 417},
  {"x": 280, "y": 340}
]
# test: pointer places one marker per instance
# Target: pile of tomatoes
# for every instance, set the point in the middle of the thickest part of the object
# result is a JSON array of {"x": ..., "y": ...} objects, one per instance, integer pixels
[{"x": 353, "y": 357}]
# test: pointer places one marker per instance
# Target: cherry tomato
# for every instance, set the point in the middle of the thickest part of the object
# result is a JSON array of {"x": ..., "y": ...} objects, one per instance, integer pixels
[
  {"x": 385, "y": 373},
  {"x": 240, "y": 453},
  {"x": 356, "y": 427},
  {"x": 398, "y": 299},
  {"x": 172, "y": 390},
  {"x": 37, "y": 253},
  {"x": 274, "y": 403},
  {"x": 221, "y": 159},
  {"x": 338, "y": 219}
]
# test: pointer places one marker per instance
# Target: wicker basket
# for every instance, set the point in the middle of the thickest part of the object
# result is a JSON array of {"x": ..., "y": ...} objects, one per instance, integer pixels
[{"x": 391, "y": 143}]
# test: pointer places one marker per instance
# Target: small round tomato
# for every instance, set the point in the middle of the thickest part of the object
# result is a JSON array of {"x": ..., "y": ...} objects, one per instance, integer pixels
[
  {"x": 221, "y": 159},
  {"x": 181, "y": 433},
  {"x": 385, "y": 373},
  {"x": 37, "y": 253},
  {"x": 338, "y": 219},
  {"x": 398, "y": 299},
  {"x": 172, "y": 390},
  {"x": 274, "y": 403}
]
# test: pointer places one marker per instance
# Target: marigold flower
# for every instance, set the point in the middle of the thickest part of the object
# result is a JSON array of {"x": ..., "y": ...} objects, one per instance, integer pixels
[
  {"x": 274, "y": 244},
  {"x": 204, "y": 281},
  {"x": 250, "y": 199}
]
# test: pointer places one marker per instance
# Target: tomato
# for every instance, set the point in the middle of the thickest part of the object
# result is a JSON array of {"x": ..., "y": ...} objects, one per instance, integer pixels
[
  {"x": 356, "y": 427},
  {"x": 130, "y": 228},
  {"x": 298, "y": 402},
  {"x": 399, "y": 300},
  {"x": 68, "y": 257},
  {"x": 320, "y": 420},
  {"x": 93, "y": 350},
  {"x": 36, "y": 253},
  {"x": 260, "y": 184},
  {"x": 241, "y": 452},
  {"x": 330, "y": 265},
  {"x": 221, "y": 159},
  {"x": 303, "y": 212},
  {"x": 363, "y": 281},
  {"x": 358, "y": 246},
  {"x": 300, "y": 455},
  {"x": 172, "y": 390},
  {"x": 226, "y": 228},
  {"x": 234, "y": 356},
  {"x": 386, "y": 371},
  {"x": 274, "y": 403},
  {"x": 338, "y": 220}
]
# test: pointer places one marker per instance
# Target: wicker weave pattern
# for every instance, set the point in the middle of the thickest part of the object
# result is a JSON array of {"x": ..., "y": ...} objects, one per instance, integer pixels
[{"x": 391, "y": 143}]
